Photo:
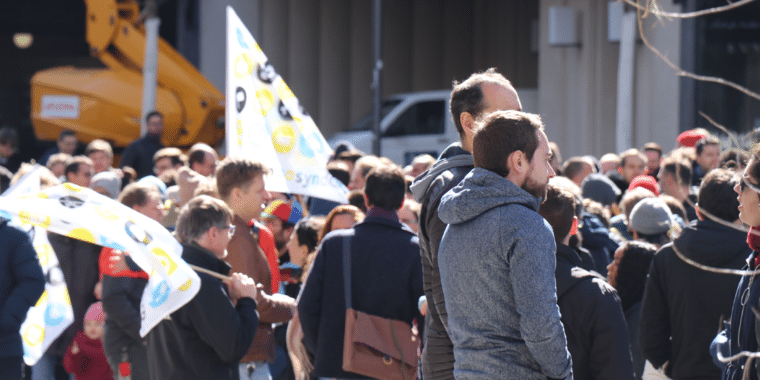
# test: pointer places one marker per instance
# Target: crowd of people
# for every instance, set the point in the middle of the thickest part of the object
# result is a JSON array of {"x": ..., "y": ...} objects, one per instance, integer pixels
[{"x": 509, "y": 261}]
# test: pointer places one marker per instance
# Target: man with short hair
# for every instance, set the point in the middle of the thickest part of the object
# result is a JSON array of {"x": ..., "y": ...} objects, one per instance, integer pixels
[
  {"x": 101, "y": 154},
  {"x": 206, "y": 337},
  {"x": 682, "y": 304},
  {"x": 202, "y": 159},
  {"x": 653, "y": 152},
  {"x": 8, "y": 146},
  {"x": 675, "y": 180},
  {"x": 633, "y": 163},
  {"x": 79, "y": 171},
  {"x": 139, "y": 154},
  {"x": 240, "y": 182},
  {"x": 479, "y": 95},
  {"x": 501, "y": 296},
  {"x": 577, "y": 169},
  {"x": 385, "y": 270},
  {"x": 597, "y": 335},
  {"x": 362, "y": 167},
  {"x": 67, "y": 143},
  {"x": 166, "y": 162},
  {"x": 708, "y": 158}
]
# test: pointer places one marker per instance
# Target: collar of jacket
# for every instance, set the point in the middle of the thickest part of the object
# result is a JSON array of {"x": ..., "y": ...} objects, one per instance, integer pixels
[
  {"x": 195, "y": 254},
  {"x": 386, "y": 217}
]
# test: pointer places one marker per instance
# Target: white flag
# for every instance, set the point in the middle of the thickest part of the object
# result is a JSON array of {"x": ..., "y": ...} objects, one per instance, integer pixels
[
  {"x": 83, "y": 214},
  {"x": 265, "y": 122},
  {"x": 52, "y": 314}
]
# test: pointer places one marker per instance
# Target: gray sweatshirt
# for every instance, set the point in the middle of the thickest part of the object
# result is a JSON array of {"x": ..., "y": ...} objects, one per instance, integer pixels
[{"x": 497, "y": 261}]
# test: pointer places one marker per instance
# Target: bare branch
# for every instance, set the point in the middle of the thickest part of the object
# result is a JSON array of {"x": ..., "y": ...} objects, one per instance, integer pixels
[
  {"x": 722, "y": 128},
  {"x": 684, "y": 73},
  {"x": 654, "y": 8}
]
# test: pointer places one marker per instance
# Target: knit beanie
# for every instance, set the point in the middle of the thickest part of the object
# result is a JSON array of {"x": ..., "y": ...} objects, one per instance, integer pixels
[
  {"x": 109, "y": 181},
  {"x": 689, "y": 138},
  {"x": 651, "y": 216},
  {"x": 95, "y": 313},
  {"x": 646, "y": 181},
  {"x": 598, "y": 187}
]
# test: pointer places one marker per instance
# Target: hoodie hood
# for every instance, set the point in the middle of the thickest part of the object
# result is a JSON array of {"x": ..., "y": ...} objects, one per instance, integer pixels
[
  {"x": 453, "y": 156},
  {"x": 480, "y": 191},
  {"x": 711, "y": 243}
]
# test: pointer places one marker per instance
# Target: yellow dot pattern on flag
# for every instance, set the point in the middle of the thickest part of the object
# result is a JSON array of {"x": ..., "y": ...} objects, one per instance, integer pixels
[
  {"x": 290, "y": 175},
  {"x": 239, "y": 130},
  {"x": 266, "y": 100},
  {"x": 72, "y": 187},
  {"x": 284, "y": 138},
  {"x": 106, "y": 213},
  {"x": 43, "y": 299},
  {"x": 33, "y": 335},
  {"x": 34, "y": 218},
  {"x": 186, "y": 285},
  {"x": 165, "y": 259},
  {"x": 82, "y": 234},
  {"x": 42, "y": 195},
  {"x": 44, "y": 251},
  {"x": 283, "y": 90},
  {"x": 244, "y": 65}
]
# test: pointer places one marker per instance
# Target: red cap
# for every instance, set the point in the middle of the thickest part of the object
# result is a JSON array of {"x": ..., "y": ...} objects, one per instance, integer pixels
[
  {"x": 646, "y": 181},
  {"x": 690, "y": 138}
]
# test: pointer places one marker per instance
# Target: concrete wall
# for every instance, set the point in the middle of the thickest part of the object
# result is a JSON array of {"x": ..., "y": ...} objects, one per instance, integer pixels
[{"x": 577, "y": 85}]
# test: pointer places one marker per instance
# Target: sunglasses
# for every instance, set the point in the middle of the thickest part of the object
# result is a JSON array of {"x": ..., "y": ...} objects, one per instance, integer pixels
[
  {"x": 743, "y": 184},
  {"x": 231, "y": 229}
]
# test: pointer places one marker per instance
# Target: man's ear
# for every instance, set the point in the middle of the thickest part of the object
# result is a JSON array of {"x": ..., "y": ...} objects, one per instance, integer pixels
[
  {"x": 468, "y": 123},
  {"x": 517, "y": 162}
]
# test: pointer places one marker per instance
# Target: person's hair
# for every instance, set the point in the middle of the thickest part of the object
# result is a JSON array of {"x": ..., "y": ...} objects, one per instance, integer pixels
[
  {"x": 468, "y": 96},
  {"x": 709, "y": 140},
  {"x": 559, "y": 209},
  {"x": 717, "y": 197},
  {"x": 658, "y": 240},
  {"x": 366, "y": 164},
  {"x": 753, "y": 164},
  {"x": 57, "y": 158},
  {"x": 385, "y": 188},
  {"x": 598, "y": 210},
  {"x": 72, "y": 166},
  {"x": 501, "y": 134},
  {"x": 652, "y": 147},
  {"x": 339, "y": 170},
  {"x": 356, "y": 199},
  {"x": 350, "y": 155},
  {"x": 66, "y": 133},
  {"x": 352, "y": 210},
  {"x": 237, "y": 172},
  {"x": 197, "y": 154},
  {"x": 610, "y": 157},
  {"x": 174, "y": 154},
  {"x": 137, "y": 194},
  {"x": 151, "y": 114},
  {"x": 206, "y": 186},
  {"x": 574, "y": 165},
  {"x": 199, "y": 215},
  {"x": 47, "y": 178},
  {"x": 733, "y": 159},
  {"x": 307, "y": 231},
  {"x": 675, "y": 206},
  {"x": 632, "y": 271},
  {"x": 630, "y": 153},
  {"x": 425, "y": 159},
  {"x": 98, "y": 145},
  {"x": 678, "y": 168},
  {"x": 8, "y": 135},
  {"x": 631, "y": 197}
]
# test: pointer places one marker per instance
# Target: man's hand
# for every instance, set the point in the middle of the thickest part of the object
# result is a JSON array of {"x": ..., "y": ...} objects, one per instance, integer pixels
[
  {"x": 74, "y": 348},
  {"x": 242, "y": 286}
]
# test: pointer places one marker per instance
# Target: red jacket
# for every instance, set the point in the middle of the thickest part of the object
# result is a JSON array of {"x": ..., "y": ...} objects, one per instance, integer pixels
[{"x": 90, "y": 362}]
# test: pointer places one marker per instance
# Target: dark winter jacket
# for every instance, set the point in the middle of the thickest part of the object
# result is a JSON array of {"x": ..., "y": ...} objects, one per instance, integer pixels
[
  {"x": 596, "y": 239},
  {"x": 497, "y": 261},
  {"x": 139, "y": 155},
  {"x": 21, "y": 285},
  {"x": 386, "y": 281},
  {"x": 684, "y": 306},
  {"x": 451, "y": 167},
  {"x": 595, "y": 326},
  {"x": 207, "y": 337}
]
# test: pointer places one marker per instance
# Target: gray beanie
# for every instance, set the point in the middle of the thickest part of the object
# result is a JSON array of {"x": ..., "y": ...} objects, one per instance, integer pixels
[
  {"x": 651, "y": 216},
  {"x": 599, "y": 188},
  {"x": 108, "y": 181}
]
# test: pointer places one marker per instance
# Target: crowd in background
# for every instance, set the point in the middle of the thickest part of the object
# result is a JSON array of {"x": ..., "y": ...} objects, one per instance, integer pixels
[{"x": 626, "y": 234}]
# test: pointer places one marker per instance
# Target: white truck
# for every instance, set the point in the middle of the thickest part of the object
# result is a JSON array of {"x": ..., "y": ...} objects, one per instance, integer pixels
[{"x": 413, "y": 124}]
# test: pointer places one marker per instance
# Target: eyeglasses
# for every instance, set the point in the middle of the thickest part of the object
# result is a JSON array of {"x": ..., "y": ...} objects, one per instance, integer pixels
[
  {"x": 743, "y": 184},
  {"x": 231, "y": 229}
]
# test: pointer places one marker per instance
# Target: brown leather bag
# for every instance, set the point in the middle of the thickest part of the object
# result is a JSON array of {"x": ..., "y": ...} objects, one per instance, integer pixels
[{"x": 373, "y": 346}]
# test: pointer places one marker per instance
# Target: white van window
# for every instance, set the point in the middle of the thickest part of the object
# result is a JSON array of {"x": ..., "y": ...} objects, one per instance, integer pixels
[
  {"x": 365, "y": 123},
  {"x": 424, "y": 118}
]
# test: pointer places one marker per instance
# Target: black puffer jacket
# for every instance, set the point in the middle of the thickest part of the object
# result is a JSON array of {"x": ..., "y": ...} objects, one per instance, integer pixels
[
  {"x": 684, "y": 306},
  {"x": 597, "y": 337},
  {"x": 428, "y": 188}
]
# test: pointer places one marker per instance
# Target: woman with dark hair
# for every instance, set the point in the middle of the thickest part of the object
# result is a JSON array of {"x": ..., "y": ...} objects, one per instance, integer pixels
[
  {"x": 628, "y": 275},
  {"x": 740, "y": 333}
]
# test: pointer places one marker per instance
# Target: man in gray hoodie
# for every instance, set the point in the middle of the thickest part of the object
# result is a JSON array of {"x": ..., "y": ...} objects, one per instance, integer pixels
[
  {"x": 476, "y": 97},
  {"x": 500, "y": 293}
]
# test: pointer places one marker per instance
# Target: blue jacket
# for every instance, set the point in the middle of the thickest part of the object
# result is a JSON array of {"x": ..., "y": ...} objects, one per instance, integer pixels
[
  {"x": 21, "y": 285},
  {"x": 386, "y": 281},
  {"x": 497, "y": 261}
]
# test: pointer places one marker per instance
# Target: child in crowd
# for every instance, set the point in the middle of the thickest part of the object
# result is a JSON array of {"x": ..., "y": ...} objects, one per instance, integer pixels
[{"x": 85, "y": 358}]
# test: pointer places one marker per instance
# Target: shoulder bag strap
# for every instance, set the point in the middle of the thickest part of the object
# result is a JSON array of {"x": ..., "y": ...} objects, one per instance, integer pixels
[{"x": 346, "y": 242}]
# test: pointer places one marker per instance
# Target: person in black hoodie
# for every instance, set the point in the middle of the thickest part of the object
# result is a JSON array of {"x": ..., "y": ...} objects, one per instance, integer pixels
[
  {"x": 597, "y": 337},
  {"x": 684, "y": 305}
]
